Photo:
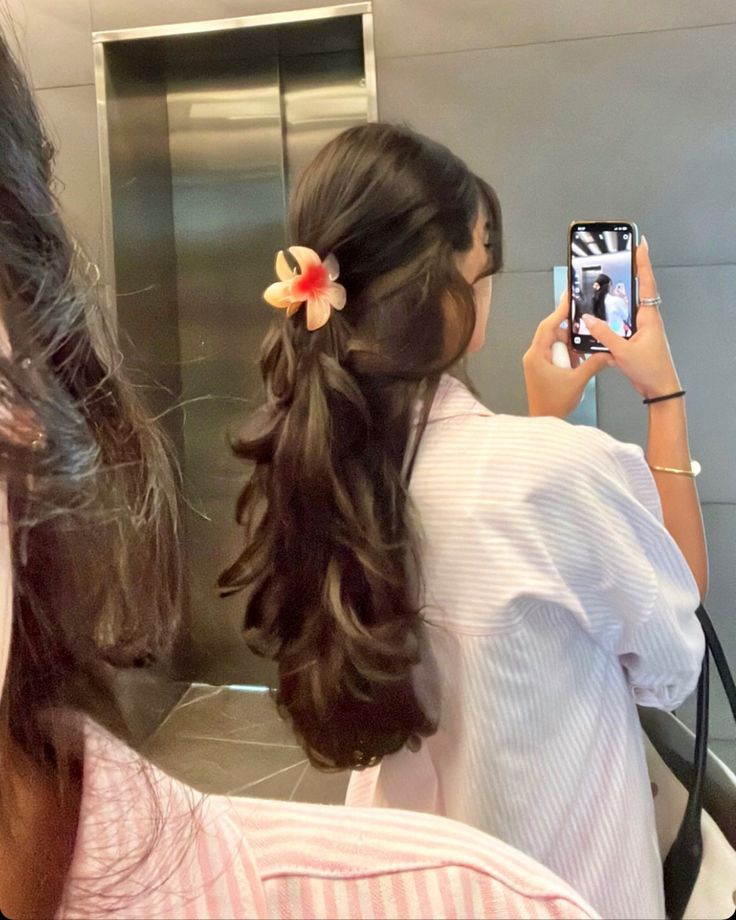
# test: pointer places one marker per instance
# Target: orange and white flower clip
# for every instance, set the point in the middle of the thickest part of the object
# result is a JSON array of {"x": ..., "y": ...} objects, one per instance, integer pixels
[{"x": 314, "y": 284}]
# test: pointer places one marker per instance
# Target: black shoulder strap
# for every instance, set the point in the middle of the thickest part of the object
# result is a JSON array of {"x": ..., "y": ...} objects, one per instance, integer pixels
[
  {"x": 682, "y": 865},
  {"x": 719, "y": 657}
]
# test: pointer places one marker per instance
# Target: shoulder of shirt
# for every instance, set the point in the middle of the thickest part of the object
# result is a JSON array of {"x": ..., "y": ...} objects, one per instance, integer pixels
[
  {"x": 320, "y": 842},
  {"x": 486, "y": 435},
  {"x": 292, "y": 839}
]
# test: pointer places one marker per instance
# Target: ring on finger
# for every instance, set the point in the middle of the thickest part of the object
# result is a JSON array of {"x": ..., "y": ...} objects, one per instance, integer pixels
[{"x": 650, "y": 301}]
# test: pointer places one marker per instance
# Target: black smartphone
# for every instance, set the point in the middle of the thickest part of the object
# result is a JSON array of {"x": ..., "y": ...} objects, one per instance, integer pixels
[{"x": 602, "y": 282}]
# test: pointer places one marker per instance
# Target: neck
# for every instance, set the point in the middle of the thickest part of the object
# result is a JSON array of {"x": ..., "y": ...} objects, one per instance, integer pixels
[{"x": 39, "y": 826}]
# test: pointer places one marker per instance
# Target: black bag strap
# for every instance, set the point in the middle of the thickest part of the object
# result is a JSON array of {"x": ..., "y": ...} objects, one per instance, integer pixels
[
  {"x": 719, "y": 657},
  {"x": 682, "y": 865}
]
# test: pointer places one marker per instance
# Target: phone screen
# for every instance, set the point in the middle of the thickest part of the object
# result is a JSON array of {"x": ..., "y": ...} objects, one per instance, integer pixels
[{"x": 602, "y": 279}]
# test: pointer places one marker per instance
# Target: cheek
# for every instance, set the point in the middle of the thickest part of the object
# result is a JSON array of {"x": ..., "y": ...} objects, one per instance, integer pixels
[{"x": 482, "y": 291}]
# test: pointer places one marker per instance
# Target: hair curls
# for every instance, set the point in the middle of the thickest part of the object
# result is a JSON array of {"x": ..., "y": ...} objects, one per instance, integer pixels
[{"x": 330, "y": 560}]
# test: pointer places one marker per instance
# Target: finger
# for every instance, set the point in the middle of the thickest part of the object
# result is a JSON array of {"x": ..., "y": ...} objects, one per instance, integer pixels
[
  {"x": 594, "y": 365},
  {"x": 547, "y": 330},
  {"x": 647, "y": 281},
  {"x": 605, "y": 335},
  {"x": 561, "y": 311}
]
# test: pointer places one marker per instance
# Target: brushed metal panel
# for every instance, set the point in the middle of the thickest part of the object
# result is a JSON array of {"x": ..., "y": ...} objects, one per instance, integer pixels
[
  {"x": 55, "y": 39},
  {"x": 323, "y": 94},
  {"x": 226, "y": 161},
  {"x": 197, "y": 146},
  {"x": 432, "y": 26},
  {"x": 144, "y": 256},
  {"x": 639, "y": 126}
]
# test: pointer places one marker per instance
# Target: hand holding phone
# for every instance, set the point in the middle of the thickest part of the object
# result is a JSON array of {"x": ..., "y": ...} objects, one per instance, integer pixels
[
  {"x": 601, "y": 280},
  {"x": 646, "y": 360},
  {"x": 555, "y": 379}
]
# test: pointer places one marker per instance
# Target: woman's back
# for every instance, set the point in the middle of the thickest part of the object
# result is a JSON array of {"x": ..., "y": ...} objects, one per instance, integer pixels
[{"x": 538, "y": 595}]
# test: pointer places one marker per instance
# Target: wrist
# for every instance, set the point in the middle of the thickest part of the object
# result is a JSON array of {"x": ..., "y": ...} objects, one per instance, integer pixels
[{"x": 669, "y": 384}]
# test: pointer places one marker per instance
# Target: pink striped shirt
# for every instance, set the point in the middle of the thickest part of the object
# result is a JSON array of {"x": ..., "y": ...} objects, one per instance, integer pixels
[
  {"x": 554, "y": 601},
  {"x": 150, "y": 847}
]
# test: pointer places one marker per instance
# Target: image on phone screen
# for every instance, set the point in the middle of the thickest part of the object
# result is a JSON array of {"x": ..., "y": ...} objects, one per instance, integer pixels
[{"x": 602, "y": 279}]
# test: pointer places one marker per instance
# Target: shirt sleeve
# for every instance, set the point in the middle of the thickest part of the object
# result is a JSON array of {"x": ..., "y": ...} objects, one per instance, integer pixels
[{"x": 622, "y": 574}]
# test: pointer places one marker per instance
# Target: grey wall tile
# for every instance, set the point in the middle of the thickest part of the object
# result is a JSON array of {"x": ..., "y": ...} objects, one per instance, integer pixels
[
  {"x": 520, "y": 302},
  {"x": 639, "y": 126},
  {"x": 699, "y": 306},
  {"x": 56, "y": 40},
  {"x": 430, "y": 26},
  {"x": 71, "y": 115},
  {"x": 133, "y": 14}
]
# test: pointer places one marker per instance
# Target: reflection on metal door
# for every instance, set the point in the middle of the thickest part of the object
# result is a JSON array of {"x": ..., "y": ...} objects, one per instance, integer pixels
[{"x": 243, "y": 111}]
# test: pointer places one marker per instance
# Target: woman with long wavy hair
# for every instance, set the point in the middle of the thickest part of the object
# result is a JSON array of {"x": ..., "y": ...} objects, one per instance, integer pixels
[
  {"x": 89, "y": 579},
  {"x": 469, "y": 603}
]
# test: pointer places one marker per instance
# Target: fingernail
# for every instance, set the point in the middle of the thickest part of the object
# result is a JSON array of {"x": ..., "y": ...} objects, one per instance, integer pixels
[
  {"x": 589, "y": 318},
  {"x": 644, "y": 241}
]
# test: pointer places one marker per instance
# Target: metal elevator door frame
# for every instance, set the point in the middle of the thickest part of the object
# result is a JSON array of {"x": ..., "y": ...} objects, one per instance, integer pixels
[{"x": 204, "y": 131}]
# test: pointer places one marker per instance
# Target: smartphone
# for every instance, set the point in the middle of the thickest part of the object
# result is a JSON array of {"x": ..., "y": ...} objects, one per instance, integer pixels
[{"x": 601, "y": 271}]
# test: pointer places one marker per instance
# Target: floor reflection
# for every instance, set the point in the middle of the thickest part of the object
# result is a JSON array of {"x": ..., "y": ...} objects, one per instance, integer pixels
[{"x": 226, "y": 740}]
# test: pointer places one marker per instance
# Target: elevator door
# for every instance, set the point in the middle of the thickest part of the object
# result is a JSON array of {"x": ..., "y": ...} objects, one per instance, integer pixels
[{"x": 244, "y": 112}]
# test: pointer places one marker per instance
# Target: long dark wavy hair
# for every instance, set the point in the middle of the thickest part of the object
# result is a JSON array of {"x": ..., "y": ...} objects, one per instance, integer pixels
[
  {"x": 330, "y": 561},
  {"x": 92, "y": 499},
  {"x": 599, "y": 297}
]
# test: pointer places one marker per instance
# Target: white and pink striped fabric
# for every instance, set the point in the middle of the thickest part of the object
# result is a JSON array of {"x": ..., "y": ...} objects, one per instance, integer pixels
[
  {"x": 149, "y": 847},
  {"x": 555, "y": 600}
]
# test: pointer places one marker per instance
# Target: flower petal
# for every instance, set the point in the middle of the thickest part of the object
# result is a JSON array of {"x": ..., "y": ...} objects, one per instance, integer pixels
[
  {"x": 318, "y": 312},
  {"x": 332, "y": 266},
  {"x": 293, "y": 307},
  {"x": 305, "y": 257},
  {"x": 337, "y": 296},
  {"x": 282, "y": 267},
  {"x": 279, "y": 294}
]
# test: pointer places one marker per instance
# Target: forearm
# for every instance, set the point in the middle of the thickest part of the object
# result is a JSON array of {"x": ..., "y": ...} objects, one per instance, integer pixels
[{"x": 668, "y": 446}]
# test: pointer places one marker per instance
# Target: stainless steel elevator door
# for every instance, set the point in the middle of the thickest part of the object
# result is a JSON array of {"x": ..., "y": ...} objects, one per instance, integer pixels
[
  {"x": 245, "y": 114},
  {"x": 206, "y": 134},
  {"x": 228, "y": 208}
]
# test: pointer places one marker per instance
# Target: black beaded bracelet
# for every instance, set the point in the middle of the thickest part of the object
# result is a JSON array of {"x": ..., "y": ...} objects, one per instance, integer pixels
[{"x": 656, "y": 399}]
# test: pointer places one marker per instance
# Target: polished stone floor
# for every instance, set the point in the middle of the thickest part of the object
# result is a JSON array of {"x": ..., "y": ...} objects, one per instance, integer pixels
[
  {"x": 231, "y": 739},
  {"x": 222, "y": 740}
]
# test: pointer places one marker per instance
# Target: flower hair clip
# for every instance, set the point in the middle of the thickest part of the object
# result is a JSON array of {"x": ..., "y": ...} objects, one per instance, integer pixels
[{"x": 314, "y": 283}]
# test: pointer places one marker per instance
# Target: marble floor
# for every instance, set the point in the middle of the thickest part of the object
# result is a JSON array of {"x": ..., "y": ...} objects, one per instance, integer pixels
[
  {"x": 231, "y": 739},
  {"x": 222, "y": 740}
]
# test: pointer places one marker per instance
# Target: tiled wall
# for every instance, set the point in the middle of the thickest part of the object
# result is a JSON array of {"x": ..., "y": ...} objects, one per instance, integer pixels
[
  {"x": 597, "y": 109},
  {"x": 55, "y": 36},
  {"x": 585, "y": 108}
]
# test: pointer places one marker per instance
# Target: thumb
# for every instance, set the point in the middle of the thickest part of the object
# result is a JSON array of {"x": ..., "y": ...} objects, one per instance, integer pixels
[
  {"x": 605, "y": 335},
  {"x": 592, "y": 366}
]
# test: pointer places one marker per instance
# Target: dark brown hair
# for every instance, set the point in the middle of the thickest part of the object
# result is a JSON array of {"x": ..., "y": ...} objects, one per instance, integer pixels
[
  {"x": 330, "y": 560},
  {"x": 91, "y": 494}
]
